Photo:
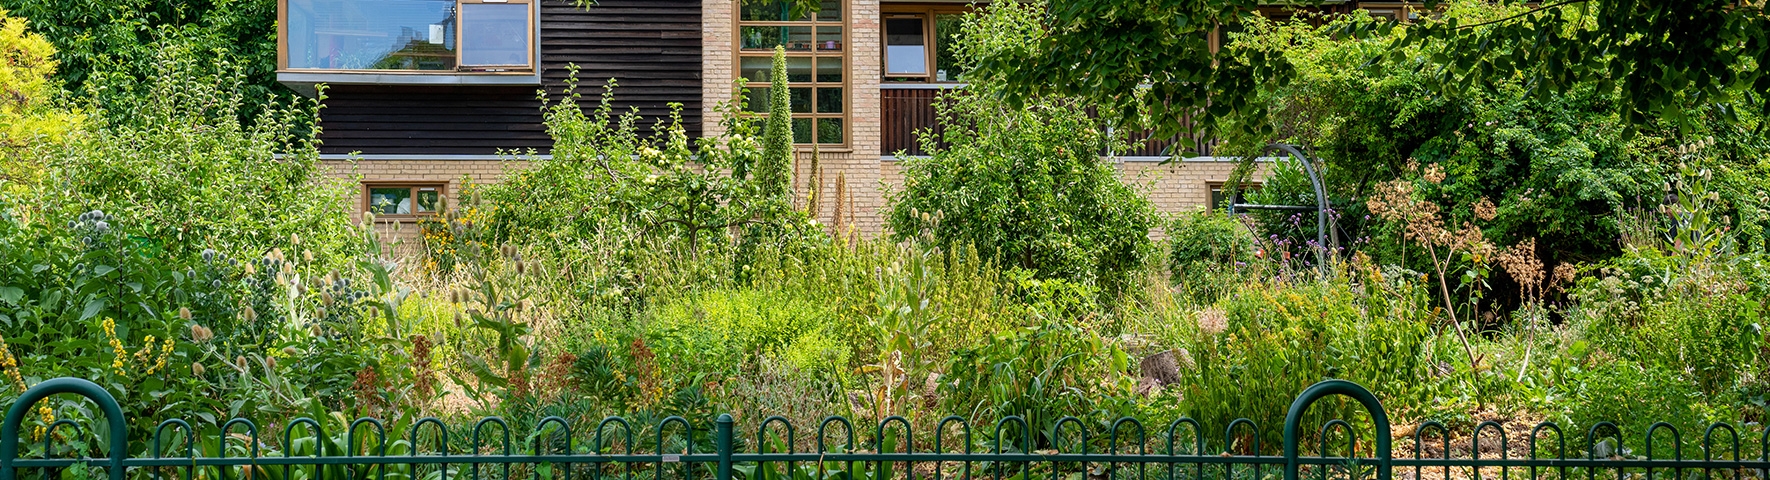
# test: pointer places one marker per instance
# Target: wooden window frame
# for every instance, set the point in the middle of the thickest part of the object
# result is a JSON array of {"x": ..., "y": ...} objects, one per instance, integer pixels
[
  {"x": 844, "y": 53},
  {"x": 525, "y": 70},
  {"x": 442, "y": 195},
  {"x": 929, "y": 14}
]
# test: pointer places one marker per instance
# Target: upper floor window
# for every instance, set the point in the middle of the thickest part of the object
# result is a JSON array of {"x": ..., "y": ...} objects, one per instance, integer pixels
[
  {"x": 817, "y": 55},
  {"x": 919, "y": 43},
  {"x": 409, "y": 35}
]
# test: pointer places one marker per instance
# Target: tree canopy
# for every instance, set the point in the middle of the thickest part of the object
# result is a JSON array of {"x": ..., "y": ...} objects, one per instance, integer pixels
[{"x": 1158, "y": 58}]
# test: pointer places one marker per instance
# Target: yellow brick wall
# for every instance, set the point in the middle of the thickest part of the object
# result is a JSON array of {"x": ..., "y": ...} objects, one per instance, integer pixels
[{"x": 450, "y": 173}]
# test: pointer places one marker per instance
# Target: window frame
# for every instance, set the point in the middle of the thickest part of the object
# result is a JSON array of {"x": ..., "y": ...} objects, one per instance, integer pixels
[
  {"x": 929, "y": 14},
  {"x": 531, "y": 69},
  {"x": 1213, "y": 190},
  {"x": 845, "y": 54},
  {"x": 412, "y": 186}
]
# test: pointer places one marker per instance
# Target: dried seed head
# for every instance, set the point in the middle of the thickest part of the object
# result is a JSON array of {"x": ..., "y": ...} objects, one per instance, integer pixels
[
  {"x": 184, "y": 313},
  {"x": 307, "y": 256},
  {"x": 290, "y": 351},
  {"x": 240, "y": 361},
  {"x": 270, "y": 363},
  {"x": 249, "y": 315},
  {"x": 197, "y": 369}
]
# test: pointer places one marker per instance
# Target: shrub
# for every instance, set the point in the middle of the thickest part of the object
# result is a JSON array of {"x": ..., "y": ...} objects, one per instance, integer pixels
[
  {"x": 35, "y": 116},
  {"x": 1027, "y": 188},
  {"x": 1206, "y": 254},
  {"x": 197, "y": 177}
]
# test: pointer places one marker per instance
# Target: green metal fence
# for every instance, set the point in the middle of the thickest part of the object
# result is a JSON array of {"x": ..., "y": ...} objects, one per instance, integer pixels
[{"x": 547, "y": 453}]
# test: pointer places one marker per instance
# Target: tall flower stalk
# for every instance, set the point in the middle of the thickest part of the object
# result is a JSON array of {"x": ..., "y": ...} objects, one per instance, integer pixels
[{"x": 774, "y": 172}]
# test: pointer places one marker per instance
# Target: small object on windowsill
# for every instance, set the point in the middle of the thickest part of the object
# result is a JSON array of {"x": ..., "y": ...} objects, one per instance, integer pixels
[{"x": 940, "y": 75}]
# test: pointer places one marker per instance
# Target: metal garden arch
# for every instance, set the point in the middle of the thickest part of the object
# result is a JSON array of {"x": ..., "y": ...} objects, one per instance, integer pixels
[{"x": 1327, "y": 238}]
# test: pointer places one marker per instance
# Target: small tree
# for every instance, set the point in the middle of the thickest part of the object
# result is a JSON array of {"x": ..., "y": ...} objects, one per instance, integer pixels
[{"x": 28, "y": 105}]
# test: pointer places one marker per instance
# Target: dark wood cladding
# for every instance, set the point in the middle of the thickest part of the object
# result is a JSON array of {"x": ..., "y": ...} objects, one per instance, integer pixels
[
  {"x": 431, "y": 120},
  {"x": 905, "y": 112},
  {"x": 651, "y": 47},
  {"x": 909, "y": 111}
]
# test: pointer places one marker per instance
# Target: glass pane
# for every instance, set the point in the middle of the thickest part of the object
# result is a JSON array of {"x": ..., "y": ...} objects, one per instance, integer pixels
[
  {"x": 428, "y": 199},
  {"x": 758, "y": 70},
  {"x": 829, "y": 38},
  {"x": 831, "y": 11},
  {"x": 801, "y": 130},
  {"x": 372, "y": 34},
  {"x": 829, "y": 69},
  {"x": 829, "y": 130},
  {"x": 775, "y": 11},
  {"x": 757, "y": 101},
  {"x": 946, "y": 38},
  {"x": 796, "y": 39},
  {"x": 801, "y": 98},
  {"x": 495, "y": 34},
  {"x": 829, "y": 100},
  {"x": 905, "y": 52},
  {"x": 390, "y": 201}
]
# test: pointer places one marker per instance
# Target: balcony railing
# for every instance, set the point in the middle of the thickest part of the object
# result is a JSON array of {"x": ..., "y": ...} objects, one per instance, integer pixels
[{"x": 909, "y": 108}]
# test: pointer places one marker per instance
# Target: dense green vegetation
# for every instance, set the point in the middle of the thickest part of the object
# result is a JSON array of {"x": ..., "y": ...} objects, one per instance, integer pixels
[{"x": 1511, "y": 256}]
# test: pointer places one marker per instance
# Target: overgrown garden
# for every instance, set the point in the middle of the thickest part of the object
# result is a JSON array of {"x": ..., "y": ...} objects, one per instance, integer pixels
[{"x": 1511, "y": 253}]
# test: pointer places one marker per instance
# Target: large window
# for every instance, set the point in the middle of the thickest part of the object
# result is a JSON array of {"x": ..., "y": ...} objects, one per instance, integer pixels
[
  {"x": 919, "y": 42},
  {"x": 402, "y": 200},
  {"x": 413, "y": 35},
  {"x": 817, "y": 55}
]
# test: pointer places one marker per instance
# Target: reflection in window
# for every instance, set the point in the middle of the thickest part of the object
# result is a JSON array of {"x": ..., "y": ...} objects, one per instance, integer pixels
[
  {"x": 816, "y": 49},
  {"x": 946, "y": 38},
  {"x": 495, "y": 34},
  {"x": 390, "y": 201},
  {"x": 403, "y": 199},
  {"x": 906, "y": 52},
  {"x": 372, "y": 34}
]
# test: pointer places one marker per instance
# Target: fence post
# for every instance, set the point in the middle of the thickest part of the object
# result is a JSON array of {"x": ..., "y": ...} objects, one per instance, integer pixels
[
  {"x": 722, "y": 434},
  {"x": 15, "y": 417},
  {"x": 1327, "y": 388}
]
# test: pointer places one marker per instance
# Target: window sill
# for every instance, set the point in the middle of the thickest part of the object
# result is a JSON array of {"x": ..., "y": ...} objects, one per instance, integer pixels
[{"x": 304, "y": 81}]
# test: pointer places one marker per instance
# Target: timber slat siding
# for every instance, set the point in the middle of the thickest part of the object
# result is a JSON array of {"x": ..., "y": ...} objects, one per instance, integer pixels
[{"x": 651, "y": 47}]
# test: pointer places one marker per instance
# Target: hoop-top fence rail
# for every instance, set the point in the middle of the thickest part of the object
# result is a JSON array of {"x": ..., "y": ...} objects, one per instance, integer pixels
[{"x": 368, "y": 453}]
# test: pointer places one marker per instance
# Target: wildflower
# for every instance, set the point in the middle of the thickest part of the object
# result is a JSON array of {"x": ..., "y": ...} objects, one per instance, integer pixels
[{"x": 201, "y": 334}]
